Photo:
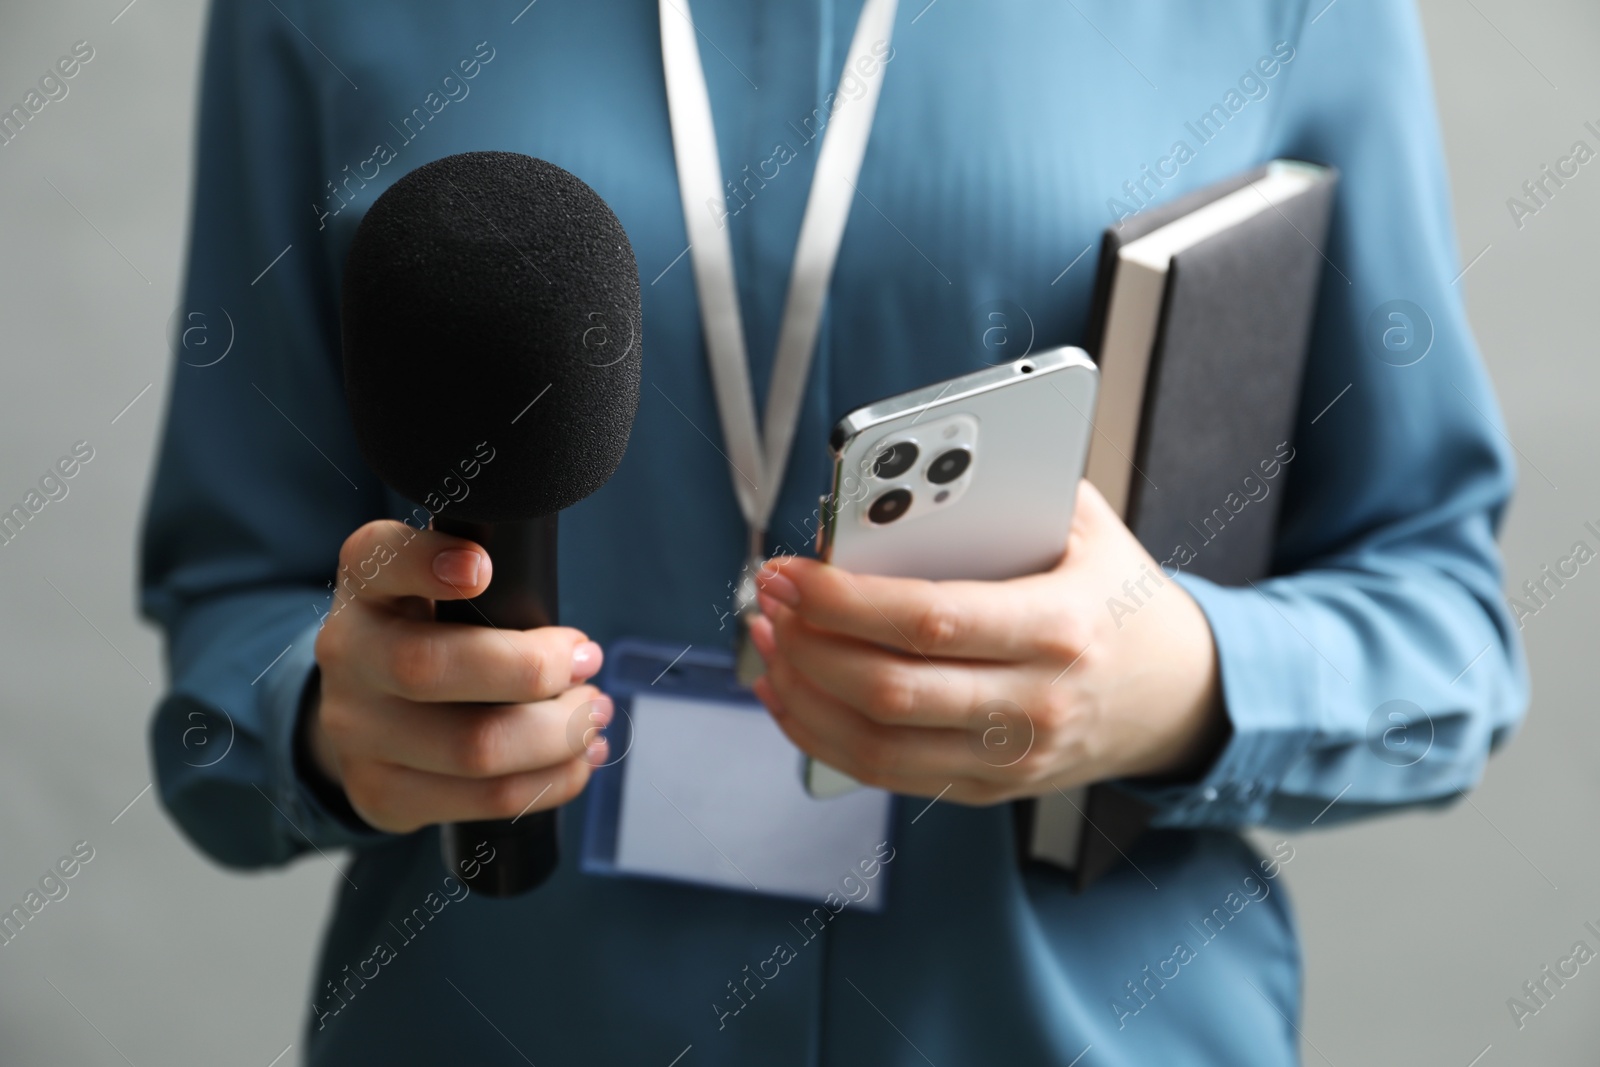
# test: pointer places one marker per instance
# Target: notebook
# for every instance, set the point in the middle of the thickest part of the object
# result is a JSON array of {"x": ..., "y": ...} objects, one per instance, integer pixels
[{"x": 1201, "y": 320}]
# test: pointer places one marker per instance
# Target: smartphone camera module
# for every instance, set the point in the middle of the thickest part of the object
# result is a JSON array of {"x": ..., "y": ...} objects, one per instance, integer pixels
[
  {"x": 895, "y": 460},
  {"x": 939, "y": 455},
  {"x": 889, "y": 507},
  {"x": 949, "y": 465}
]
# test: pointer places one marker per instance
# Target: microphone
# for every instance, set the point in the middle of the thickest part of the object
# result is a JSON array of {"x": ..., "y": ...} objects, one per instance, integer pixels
[{"x": 490, "y": 308}]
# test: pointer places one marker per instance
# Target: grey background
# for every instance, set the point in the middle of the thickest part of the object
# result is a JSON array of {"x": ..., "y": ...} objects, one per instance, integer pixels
[{"x": 1416, "y": 928}]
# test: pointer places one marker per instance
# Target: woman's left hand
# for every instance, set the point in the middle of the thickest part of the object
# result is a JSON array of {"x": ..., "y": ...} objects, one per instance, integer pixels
[{"x": 1102, "y": 667}]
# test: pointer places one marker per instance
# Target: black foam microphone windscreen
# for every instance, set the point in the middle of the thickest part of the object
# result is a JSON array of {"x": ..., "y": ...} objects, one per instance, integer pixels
[
  {"x": 477, "y": 285},
  {"x": 492, "y": 341}
]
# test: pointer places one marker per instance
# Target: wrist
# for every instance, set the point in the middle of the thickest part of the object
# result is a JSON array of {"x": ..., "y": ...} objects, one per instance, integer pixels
[
  {"x": 310, "y": 739},
  {"x": 1190, "y": 724},
  {"x": 314, "y": 761}
]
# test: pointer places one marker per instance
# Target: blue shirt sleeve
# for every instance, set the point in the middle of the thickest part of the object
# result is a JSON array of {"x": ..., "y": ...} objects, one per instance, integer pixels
[
  {"x": 1379, "y": 667},
  {"x": 258, "y": 478}
]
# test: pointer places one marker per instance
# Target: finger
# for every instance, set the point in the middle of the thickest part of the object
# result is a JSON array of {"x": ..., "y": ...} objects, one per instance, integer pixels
[
  {"x": 956, "y": 788},
  {"x": 385, "y": 560},
  {"x": 1096, "y": 509},
  {"x": 1090, "y": 515},
  {"x": 402, "y": 799},
  {"x": 490, "y": 741},
  {"x": 886, "y": 756},
  {"x": 891, "y": 688},
  {"x": 1005, "y": 621},
  {"x": 437, "y": 662}
]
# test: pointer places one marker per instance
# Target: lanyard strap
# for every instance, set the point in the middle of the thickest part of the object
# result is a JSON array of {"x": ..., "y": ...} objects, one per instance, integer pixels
[{"x": 758, "y": 462}]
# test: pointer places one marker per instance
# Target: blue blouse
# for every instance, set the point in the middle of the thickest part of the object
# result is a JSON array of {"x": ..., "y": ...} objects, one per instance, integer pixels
[{"x": 1009, "y": 134}]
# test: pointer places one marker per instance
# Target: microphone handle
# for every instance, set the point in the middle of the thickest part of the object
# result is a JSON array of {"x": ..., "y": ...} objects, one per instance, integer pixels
[{"x": 505, "y": 857}]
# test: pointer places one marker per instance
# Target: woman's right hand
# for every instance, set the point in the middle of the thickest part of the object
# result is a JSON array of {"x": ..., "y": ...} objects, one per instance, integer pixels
[{"x": 426, "y": 722}]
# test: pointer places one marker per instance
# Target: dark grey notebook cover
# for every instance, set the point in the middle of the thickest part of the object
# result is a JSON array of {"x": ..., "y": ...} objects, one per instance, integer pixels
[
  {"x": 1221, "y": 397},
  {"x": 1223, "y": 389}
]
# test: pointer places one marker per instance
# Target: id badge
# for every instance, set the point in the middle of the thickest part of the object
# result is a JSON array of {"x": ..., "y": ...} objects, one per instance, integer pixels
[{"x": 704, "y": 788}]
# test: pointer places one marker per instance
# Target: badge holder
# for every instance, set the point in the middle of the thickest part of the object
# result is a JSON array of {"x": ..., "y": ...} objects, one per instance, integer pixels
[{"x": 703, "y": 788}]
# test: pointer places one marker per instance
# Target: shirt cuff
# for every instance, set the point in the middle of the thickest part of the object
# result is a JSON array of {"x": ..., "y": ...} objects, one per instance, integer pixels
[
  {"x": 316, "y": 808},
  {"x": 1271, "y": 682}
]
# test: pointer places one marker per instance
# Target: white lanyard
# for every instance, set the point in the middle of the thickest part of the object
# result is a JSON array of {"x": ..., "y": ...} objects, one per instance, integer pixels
[{"x": 757, "y": 463}]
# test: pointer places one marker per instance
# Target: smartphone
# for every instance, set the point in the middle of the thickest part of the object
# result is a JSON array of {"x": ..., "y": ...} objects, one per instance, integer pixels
[{"x": 971, "y": 478}]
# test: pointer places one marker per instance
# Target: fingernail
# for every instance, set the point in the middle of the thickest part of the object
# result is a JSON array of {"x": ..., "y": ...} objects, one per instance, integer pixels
[
  {"x": 585, "y": 660},
  {"x": 601, "y": 710},
  {"x": 595, "y": 754},
  {"x": 457, "y": 566},
  {"x": 761, "y": 637},
  {"x": 774, "y": 584}
]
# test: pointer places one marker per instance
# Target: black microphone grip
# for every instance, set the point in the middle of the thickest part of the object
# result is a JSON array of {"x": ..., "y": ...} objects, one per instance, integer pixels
[{"x": 521, "y": 596}]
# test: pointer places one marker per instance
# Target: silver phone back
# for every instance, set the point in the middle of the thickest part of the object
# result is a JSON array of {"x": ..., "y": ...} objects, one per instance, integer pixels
[{"x": 1026, "y": 426}]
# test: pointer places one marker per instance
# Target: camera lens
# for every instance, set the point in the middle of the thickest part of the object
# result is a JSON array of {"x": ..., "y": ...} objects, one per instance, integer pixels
[
  {"x": 890, "y": 506},
  {"x": 895, "y": 460},
  {"x": 948, "y": 466}
]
